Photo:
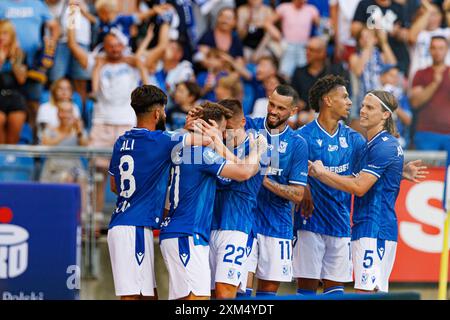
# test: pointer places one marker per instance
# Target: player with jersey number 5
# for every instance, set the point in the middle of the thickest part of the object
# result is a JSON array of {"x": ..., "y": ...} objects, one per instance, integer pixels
[
  {"x": 139, "y": 170},
  {"x": 375, "y": 183}
]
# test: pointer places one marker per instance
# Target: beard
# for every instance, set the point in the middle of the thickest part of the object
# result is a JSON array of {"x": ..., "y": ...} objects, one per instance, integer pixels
[
  {"x": 274, "y": 125},
  {"x": 161, "y": 124}
]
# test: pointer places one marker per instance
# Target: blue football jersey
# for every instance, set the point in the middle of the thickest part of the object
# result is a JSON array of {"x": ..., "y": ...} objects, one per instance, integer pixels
[
  {"x": 339, "y": 153},
  {"x": 288, "y": 154},
  {"x": 374, "y": 213},
  {"x": 140, "y": 165},
  {"x": 236, "y": 201},
  {"x": 191, "y": 193}
]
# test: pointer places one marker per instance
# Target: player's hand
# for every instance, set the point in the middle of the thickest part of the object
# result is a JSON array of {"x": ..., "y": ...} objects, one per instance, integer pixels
[
  {"x": 208, "y": 129},
  {"x": 415, "y": 171},
  {"x": 316, "y": 168},
  {"x": 261, "y": 144},
  {"x": 307, "y": 204},
  {"x": 192, "y": 115}
]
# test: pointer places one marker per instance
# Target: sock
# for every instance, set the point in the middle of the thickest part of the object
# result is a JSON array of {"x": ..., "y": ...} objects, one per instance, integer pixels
[
  {"x": 265, "y": 294},
  {"x": 305, "y": 292},
  {"x": 334, "y": 290}
]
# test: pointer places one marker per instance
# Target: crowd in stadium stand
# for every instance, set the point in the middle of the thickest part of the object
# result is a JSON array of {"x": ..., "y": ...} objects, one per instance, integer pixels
[{"x": 68, "y": 67}]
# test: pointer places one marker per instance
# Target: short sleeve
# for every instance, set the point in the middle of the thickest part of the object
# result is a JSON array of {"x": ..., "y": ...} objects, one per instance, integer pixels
[
  {"x": 172, "y": 139},
  {"x": 418, "y": 79},
  {"x": 299, "y": 172},
  {"x": 360, "y": 13},
  {"x": 45, "y": 13},
  {"x": 281, "y": 10},
  {"x": 212, "y": 163},
  {"x": 315, "y": 12},
  {"x": 207, "y": 39},
  {"x": 113, "y": 169},
  {"x": 378, "y": 159}
]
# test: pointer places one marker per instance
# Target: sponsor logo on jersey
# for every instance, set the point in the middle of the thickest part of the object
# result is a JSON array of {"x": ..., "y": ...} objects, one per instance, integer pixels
[
  {"x": 332, "y": 148},
  {"x": 338, "y": 169},
  {"x": 319, "y": 142},
  {"x": 343, "y": 142}
]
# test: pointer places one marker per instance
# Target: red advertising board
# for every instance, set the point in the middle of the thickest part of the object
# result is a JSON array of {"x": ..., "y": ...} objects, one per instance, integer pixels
[{"x": 421, "y": 222}]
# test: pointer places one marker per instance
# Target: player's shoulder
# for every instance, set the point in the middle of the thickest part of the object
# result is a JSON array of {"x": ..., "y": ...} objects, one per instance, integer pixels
[
  {"x": 386, "y": 144},
  {"x": 351, "y": 134},
  {"x": 254, "y": 123}
]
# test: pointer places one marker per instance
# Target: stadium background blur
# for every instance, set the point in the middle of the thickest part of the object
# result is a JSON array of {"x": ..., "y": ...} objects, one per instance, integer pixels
[{"x": 197, "y": 50}]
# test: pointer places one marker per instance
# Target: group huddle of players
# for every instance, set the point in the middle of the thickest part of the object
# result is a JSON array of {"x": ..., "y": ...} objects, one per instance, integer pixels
[{"x": 235, "y": 197}]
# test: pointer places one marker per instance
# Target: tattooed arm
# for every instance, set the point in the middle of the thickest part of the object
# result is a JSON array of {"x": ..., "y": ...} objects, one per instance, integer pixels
[{"x": 291, "y": 192}]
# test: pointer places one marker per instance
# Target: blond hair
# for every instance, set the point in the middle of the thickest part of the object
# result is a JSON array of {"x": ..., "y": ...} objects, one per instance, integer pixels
[
  {"x": 54, "y": 86},
  {"x": 107, "y": 4},
  {"x": 6, "y": 25},
  {"x": 232, "y": 83}
]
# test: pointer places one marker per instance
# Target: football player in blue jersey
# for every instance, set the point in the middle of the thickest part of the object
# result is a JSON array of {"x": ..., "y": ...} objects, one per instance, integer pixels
[
  {"x": 322, "y": 242},
  {"x": 185, "y": 232},
  {"x": 283, "y": 185},
  {"x": 375, "y": 184},
  {"x": 139, "y": 170},
  {"x": 233, "y": 214}
]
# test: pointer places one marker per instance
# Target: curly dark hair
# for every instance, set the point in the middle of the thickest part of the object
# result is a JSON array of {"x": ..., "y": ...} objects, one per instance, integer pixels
[
  {"x": 147, "y": 97},
  {"x": 323, "y": 86}
]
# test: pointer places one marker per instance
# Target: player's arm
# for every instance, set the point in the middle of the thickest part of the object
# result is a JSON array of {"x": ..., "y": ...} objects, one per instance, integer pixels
[
  {"x": 245, "y": 169},
  {"x": 358, "y": 185},
  {"x": 112, "y": 183},
  {"x": 291, "y": 192}
]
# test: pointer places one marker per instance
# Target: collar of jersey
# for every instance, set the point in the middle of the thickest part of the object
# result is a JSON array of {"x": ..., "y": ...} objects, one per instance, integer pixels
[
  {"x": 274, "y": 135},
  {"x": 376, "y": 136},
  {"x": 139, "y": 129},
  {"x": 325, "y": 131}
]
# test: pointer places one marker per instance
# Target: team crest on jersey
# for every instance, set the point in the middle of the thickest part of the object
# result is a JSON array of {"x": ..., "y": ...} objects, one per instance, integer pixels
[
  {"x": 210, "y": 156},
  {"x": 285, "y": 270},
  {"x": 319, "y": 142},
  {"x": 282, "y": 147},
  {"x": 230, "y": 274},
  {"x": 343, "y": 142},
  {"x": 364, "y": 278}
]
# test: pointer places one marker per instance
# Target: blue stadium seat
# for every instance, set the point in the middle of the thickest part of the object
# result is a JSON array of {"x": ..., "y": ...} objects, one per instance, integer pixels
[{"x": 14, "y": 168}]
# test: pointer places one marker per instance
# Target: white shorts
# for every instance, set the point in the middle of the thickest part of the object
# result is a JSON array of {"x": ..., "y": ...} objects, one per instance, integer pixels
[
  {"x": 318, "y": 256},
  {"x": 373, "y": 260},
  {"x": 188, "y": 266},
  {"x": 274, "y": 259},
  {"x": 132, "y": 260},
  {"x": 251, "y": 262},
  {"x": 227, "y": 256}
]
